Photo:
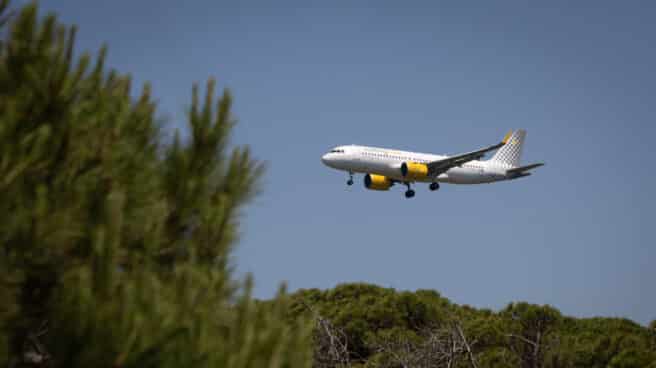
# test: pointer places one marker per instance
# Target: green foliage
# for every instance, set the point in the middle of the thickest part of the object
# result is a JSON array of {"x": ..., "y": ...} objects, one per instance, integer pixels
[
  {"x": 631, "y": 358},
  {"x": 386, "y": 328},
  {"x": 367, "y": 311},
  {"x": 530, "y": 331},
  {"x": 115, "y": 246},
  {"x": 595, "y": 342}
]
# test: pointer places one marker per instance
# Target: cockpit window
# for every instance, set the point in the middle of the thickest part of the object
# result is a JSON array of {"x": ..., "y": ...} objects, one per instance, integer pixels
[{"x": 336, "y": 151}]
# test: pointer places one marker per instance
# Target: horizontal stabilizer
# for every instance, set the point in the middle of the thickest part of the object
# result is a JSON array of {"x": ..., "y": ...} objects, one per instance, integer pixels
[
  {"x": 518, "y": 175},
  {"x": 520, "y": 170}
]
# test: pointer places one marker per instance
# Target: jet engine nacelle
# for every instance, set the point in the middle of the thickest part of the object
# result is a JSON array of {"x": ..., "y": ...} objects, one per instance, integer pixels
[
  {"x": 377, "y": 182},
  {"x": 414, "y": 171}
]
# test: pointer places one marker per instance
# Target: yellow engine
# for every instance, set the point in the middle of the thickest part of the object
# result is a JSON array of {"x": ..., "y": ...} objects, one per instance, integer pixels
[
  {"x": 414, "y": 171},
  {"x": 377, "y": 182}
]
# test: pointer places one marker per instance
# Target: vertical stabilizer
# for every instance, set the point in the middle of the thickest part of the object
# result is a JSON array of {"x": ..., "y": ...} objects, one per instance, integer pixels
[{"x": 511, "y": 153}]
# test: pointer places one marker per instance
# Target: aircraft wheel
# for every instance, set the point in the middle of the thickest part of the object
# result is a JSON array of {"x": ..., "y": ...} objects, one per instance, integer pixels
[
  {"x": 434, "y": 186},
  {"x": 409, "y": 193},
  {"x": 349, "y": 182}
]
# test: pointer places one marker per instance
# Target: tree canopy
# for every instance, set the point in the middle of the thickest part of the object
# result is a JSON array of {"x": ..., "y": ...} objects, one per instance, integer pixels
[
  {"x": 382, "y": 327},
  {"x": 115, "y": 243}
]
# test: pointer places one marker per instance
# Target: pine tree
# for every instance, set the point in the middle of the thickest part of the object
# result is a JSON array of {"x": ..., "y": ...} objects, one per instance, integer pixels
[{"x": 115, "y": 245}]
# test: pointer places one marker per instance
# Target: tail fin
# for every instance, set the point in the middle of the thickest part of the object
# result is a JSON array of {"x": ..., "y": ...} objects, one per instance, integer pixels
[{"x": 511, "y": 152}]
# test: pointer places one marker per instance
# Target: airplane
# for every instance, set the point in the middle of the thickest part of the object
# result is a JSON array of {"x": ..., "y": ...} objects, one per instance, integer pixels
[{"x": 385, "y": 167}]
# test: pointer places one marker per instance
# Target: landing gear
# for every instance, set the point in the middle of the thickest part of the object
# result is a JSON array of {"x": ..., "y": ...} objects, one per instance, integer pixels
[
  {"x": 434, "y": 186},
  {"x": 350, "y": 181},
  {"x": 409, "y": 193}
]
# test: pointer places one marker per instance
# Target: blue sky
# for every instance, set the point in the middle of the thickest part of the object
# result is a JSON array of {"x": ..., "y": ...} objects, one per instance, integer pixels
[{"x": 441, "y": 77}]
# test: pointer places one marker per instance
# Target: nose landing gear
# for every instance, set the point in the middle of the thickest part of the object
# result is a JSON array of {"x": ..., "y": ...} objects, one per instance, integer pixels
[{"x": 350, "y": 181}]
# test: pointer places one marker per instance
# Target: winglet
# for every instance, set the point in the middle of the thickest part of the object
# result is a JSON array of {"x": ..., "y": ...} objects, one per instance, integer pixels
[{"x": 507, "y": 137}]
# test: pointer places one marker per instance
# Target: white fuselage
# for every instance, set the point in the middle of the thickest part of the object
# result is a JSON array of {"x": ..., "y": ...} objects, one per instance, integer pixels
[{"x": 387, "y": 162}]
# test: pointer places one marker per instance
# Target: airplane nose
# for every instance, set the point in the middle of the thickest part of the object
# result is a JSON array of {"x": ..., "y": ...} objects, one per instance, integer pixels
[{"x": 324, "y": 159}]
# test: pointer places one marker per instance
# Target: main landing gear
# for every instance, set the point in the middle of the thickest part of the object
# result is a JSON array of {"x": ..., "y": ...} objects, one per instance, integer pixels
[
  {"x": 409, "y": 193},
  {"x": 350, "y": 181}
]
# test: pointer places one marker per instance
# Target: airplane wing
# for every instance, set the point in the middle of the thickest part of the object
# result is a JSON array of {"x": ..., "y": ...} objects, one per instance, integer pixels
[{"x": 438, "y": 167}]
